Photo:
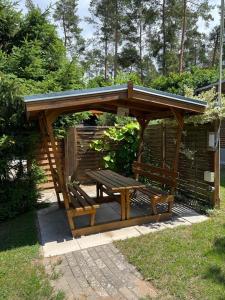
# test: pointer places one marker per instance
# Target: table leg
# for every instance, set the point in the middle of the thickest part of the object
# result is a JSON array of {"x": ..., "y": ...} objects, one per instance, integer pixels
[
  {"x": 97, "y": 190},
  {"x": 127, "y": 204},
  {"x": 123, "y": 205}
]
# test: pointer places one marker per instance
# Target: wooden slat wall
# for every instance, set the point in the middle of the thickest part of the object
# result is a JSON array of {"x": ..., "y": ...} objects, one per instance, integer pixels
[
  {"x": 192, "y": 189},
  {"x": 42, "y": 161},
  {"x": 79, "y": 156},
  {"x": 222, "y": 134},
  {"x": 153, "y": 144}
]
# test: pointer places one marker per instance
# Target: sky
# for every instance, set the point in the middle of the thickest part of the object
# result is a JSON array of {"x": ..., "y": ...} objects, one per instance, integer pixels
[{"x": 88, "y": 29}]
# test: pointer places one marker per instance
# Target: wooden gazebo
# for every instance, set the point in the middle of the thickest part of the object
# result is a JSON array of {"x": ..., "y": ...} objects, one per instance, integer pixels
[{"x": 143, "y": 103}]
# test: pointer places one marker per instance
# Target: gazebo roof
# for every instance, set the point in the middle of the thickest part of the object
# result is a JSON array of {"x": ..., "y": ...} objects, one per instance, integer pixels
[{"x": 140, "y": 101}]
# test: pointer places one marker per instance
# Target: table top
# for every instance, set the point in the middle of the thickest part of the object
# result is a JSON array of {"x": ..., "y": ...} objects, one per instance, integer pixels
[{"x": 113, "y": 180}]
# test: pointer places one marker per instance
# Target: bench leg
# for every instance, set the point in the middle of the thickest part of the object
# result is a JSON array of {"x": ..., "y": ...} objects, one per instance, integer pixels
[
  {"x": 92, "y": 219},
  {"x": 153, "y": 205},
  {"x": 101, "y": 191},
  {"x": 170, "y": 205},
  {"x": 70, "y": 219}
]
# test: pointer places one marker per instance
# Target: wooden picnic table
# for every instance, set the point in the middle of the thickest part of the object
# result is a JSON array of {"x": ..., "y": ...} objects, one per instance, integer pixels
[{"x": 112, "y": 182}]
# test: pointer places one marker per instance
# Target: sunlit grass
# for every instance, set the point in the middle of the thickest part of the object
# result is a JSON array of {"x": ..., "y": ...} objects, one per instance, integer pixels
[{"x": 184, "y": 262}]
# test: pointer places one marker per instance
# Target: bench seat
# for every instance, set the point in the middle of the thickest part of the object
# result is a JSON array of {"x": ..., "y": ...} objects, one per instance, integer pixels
[
  {"x": 80, "y": 204},
  {"x": 162, "y": 176}
]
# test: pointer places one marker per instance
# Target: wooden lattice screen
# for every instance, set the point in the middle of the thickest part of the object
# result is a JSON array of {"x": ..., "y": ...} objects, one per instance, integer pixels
[{"x": 159, "y": 148}]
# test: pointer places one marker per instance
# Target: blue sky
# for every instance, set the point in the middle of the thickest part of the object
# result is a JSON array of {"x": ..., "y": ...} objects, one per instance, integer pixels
[{"x": 88, "y": 30}]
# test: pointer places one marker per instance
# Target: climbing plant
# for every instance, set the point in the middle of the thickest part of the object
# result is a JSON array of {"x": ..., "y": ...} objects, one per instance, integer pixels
[{"x": 120, "y": 145}]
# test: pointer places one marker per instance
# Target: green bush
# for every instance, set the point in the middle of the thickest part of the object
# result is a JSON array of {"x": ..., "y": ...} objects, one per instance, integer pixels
[
  {"x": 18, "y": 139},
  {"x": 177, "y": 83},
  {"x": 120, "y": 145}
]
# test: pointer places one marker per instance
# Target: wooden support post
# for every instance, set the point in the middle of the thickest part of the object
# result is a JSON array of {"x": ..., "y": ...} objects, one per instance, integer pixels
[
  {"x": 51, "y": 164},
  {"x": 163, "y": 145},
  {"x": 127, "y": 204},
  {"x": 180, "y": 120},
  {"x": 143, "y": 122},
  {"x": 129, "y": 89},
  {"x": 216, "y": 169},
  {"x": 123, "y": 205},
  {"x": 49, "y": 130}
]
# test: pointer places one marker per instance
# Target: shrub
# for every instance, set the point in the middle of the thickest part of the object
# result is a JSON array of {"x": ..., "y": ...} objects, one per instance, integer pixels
[
  {"x": 120, "y": 144},
  {"x": 18, "y": 173}
]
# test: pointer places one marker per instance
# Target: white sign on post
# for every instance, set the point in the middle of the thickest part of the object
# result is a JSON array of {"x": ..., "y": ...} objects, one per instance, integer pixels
[{"x": 123, "y": 111}]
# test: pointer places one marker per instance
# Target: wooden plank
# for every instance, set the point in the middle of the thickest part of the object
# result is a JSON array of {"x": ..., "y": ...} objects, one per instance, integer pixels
[
  {"x": 49, "y": 130},
  {"x": 80, "y": 198},
  {"x": 114, "y": 181},
  {"x": 124, "y": 182},
  {"x": 121, "y": 224},
  {"x": 86, "y": 196},
  {"x": 158, "y": 170}
]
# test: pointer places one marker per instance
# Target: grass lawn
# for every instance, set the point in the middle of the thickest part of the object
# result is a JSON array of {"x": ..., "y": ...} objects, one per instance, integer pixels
[
  {"x": 21, "y": 274},
  {"x": 184, "y": 262}
]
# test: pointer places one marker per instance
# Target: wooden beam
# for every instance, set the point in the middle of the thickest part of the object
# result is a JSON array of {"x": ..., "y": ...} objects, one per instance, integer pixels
[
  {"x": 73, "y": 102},
  {"x": 130, "y": 90},
  {"x": 45, "y": 142},
  {"x": 143, "y": 124},
  {"x": 121, "y": 224},
  {"x": 178, "y": 116},
  {"x": 166, "y": 102},
  {"x": 216, "y": 169},
  {"x": 180, "y": 120},
  {"x": 49, "y": 130}
]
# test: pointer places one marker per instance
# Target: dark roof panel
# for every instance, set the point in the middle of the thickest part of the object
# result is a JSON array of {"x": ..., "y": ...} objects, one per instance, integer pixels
[
  {"x": 74, "y": 93},
  {"x": 169, "y": 95}
]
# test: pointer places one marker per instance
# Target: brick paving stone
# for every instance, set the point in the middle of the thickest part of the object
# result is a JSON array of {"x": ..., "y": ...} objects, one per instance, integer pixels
[
  {"x": 128, "y": 294},
  {"x": 99, "y": 273}
]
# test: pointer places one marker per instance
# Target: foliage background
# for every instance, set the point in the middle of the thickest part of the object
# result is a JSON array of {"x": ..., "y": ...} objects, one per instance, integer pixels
[{"x": 35, "y": 59}]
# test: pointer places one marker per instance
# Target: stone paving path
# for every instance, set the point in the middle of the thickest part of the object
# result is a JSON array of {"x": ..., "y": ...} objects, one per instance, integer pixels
[{"x": 98, "y": 273}]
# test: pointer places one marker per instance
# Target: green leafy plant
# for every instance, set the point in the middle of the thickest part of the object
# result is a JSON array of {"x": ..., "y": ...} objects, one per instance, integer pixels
[
  {"x": 120, "y": 145},
  {"x": 18, "y": 139}
]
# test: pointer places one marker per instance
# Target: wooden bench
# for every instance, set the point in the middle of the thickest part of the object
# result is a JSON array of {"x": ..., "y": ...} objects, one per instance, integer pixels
[
  {"x": 163, "y": 183},
  {"x": 80, "y": 204}
]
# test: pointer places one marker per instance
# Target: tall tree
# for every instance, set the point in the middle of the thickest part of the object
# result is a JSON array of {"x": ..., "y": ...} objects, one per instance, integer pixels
[
  {"x": 214, "y": 39},
  {"x": 66, "y": 13},
  {"x": 191, "y": 11},
  {"x": 183, "y": 33},
  {"x": 102, "y": 19},
  {"x": 10, "y": 20},
  {"x": 162, "y": 37}
]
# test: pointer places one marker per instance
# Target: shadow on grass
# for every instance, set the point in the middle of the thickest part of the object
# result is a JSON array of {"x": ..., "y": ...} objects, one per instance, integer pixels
[
  {"x": 222, "y": 179},
  {"x": 18, "y": 232},
  {"x": 215, "y": 273}
]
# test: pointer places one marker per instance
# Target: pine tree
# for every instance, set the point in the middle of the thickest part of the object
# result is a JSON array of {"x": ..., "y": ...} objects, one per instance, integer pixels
[
  {"x": 214, "y": 39},
  {"x": 66, "y": 14},
  {"x": 102, "y": 19},
  {"x": 191, "y": 11}
]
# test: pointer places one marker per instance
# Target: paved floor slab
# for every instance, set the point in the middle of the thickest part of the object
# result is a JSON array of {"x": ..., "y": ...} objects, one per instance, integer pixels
[{"x": 56, "y": 237}]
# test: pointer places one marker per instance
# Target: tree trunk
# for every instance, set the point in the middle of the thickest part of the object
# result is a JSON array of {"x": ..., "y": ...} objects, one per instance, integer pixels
[
  {"x": 106, "y": 59},
  {"x": 116, "y": 39},
  {"x": 140, "y": 44},
  {"x": 215, "y": 49},
  {"x": 64, "y": 30},
  {"x": 184, "y": 27},
  {"x": 164, "y": 37}
]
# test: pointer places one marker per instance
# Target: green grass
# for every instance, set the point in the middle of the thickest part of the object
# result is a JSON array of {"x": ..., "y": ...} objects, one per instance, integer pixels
[
  {"x": 22, "y": 276},
  {"x": 184, "y": 262}
]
